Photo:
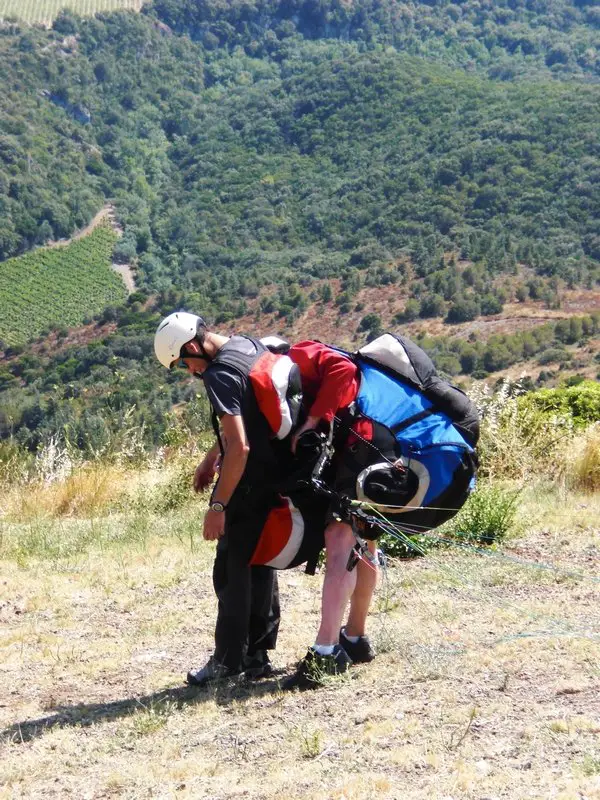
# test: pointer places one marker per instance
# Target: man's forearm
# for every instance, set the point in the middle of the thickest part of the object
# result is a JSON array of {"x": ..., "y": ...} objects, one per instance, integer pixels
[{"x": 232, "y": 469}]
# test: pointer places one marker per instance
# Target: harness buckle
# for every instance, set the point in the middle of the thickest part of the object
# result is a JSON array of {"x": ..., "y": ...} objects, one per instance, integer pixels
[{"x": 354, "y": 557}]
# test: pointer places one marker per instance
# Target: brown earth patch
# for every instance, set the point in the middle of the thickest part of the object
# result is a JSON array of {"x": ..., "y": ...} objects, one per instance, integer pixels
[
  {"x": 52, "y": 344},
  {"x": 324, "y": 321}
]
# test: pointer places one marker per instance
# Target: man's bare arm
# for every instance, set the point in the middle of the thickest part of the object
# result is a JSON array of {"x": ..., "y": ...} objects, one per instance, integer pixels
[
  {"x": 234, "y": 459},
  {"x": 232, "y": 469}
]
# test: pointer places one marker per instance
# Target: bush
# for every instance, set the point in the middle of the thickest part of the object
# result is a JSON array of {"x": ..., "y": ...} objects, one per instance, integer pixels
[
  {"x": 432, "y": 305},
  {"x": 487, "y": 517},
  {"x": 581, "y": 402},
  {"x": 463, "y": 309},
  {"x": 400, "y": 546},
  {"x": 176, "y": 492},
  {"x": 370, "y": 322},
  {"x": 410, "y": 313},
  {"x": 491, "y": 305},
  {"x": 518, "y": 440},
  {"x": 553, "y": 355}
]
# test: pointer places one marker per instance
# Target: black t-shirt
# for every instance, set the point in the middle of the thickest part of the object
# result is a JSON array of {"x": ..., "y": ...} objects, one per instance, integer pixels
[
  {"x": 224, "y": 384},
  {"x": 229, "y": 392}
]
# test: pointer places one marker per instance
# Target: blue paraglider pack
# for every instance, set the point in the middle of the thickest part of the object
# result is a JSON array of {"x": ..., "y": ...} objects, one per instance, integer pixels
[
  {"x": 426, "y": 424},
  {"x": 424, "y": 434}
]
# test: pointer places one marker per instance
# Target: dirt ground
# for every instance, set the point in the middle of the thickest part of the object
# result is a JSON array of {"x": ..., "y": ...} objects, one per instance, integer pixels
[{"x": 486, "y": 684}]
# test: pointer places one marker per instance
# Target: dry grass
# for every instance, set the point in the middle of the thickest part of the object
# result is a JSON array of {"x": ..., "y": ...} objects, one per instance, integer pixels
[
  {"x": 585, "y": 465},
  {"x": 85, "y": 492},
  {"x": 486, "y": 685}
]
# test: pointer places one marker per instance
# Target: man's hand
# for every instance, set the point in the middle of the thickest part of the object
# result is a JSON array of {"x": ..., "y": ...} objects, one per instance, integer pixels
[
  {"x": 310, "y": 424},
  {"x": 207, "y": 469},
  {"x": 214, "y": 525},
  {"x": 204, "y": 476}
]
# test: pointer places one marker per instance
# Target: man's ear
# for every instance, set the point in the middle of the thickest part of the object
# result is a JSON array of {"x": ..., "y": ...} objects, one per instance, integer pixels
[{"x": 192, "y": 348}]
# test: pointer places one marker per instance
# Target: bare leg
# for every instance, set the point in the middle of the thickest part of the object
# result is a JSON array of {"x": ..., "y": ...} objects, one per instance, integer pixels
[
  {"x": 366, "y": 581},
  {"x": 339, "y": 584}
]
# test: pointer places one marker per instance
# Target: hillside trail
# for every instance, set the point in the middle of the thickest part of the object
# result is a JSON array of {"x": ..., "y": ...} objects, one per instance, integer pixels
[{"x": 105, "y": 215}]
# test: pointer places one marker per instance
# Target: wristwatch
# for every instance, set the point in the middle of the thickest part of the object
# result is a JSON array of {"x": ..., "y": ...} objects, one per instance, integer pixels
[{"x": 216, "y": 506}]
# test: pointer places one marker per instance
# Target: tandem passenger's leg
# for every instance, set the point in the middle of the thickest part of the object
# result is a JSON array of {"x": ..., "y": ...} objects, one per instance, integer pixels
[
  {"x": 338, "y": 584},
  {"x": 360, "y": 602},
  {"x": 353, "y": 636}
]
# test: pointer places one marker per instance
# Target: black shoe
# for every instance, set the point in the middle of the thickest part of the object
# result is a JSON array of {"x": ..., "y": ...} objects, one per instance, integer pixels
[
  {"x": 314, "y": 668},
  {"x": 258, "y": 666},
  {"x": 360, "y": 652},
  {"x": 213, "y": 670}
]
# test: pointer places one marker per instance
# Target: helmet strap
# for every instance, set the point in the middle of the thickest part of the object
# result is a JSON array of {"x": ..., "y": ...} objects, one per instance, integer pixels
[
  {"x": 195, "y": 349},
  {"x": 203, "y": 352}
]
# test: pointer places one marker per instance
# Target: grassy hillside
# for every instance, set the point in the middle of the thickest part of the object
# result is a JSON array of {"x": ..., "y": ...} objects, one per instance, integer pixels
[
  {"x": 58, "y": 286},
  {"x": 484, "y": 687},
  {"x": 486, "y": 678},
  {"x": 308, "y": 178},
  {"x": 248, "y": 158}
]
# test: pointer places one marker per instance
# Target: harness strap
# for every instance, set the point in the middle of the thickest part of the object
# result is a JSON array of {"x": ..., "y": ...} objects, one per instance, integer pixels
[
  {"x": 216, "y": 430},
  {"x": 406, "y": 423},
  {"x": 311, "y": 564}
]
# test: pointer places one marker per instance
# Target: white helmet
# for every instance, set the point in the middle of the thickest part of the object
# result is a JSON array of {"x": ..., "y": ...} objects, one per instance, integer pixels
[{"x": 173, "y": 332}]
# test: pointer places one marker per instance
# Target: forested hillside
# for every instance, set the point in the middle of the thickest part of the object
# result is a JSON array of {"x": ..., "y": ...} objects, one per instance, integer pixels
[{"x": 267, "y": 158}]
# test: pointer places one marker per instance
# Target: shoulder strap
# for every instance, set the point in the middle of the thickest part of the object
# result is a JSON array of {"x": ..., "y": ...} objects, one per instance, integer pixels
[
  {"x": 238, "y": 360},
  {"x": 214, "y": 419}
]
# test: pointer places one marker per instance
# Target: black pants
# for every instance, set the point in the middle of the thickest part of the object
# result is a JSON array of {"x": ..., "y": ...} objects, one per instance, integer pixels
[{"x": 248, "y": 602}]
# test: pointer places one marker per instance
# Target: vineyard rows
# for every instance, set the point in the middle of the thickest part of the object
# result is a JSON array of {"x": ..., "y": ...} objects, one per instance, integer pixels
[
  {"x": 58, "y": 286},
  {"x": 44, "y": 11}
]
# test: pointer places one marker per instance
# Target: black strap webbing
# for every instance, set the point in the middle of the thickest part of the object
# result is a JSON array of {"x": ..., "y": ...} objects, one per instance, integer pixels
[
  {"x": 406, "y": 423},
  {"x": 217, "y": 431}
]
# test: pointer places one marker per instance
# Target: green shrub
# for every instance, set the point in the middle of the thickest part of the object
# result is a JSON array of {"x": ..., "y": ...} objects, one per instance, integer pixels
[
  {"x": 487, "y": 517},
  {"x": 581, "y": 402},
  {"x": 517, "y": 439},
  {"x": 400, "y": 547},
  {"x": 553, "y": 355}
]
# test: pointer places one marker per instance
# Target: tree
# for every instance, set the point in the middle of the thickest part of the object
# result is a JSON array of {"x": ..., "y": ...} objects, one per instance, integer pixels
[
  {"x": 468, "y": 360},
  {"x": 490, "y": 304},
  {"x": 496, "y": 357},
  {"x": 325, "y": 293},
  {"x": 521, "y": 293},
  {"x": 463, "y": 309},
  {"x": 411, "y": 312},
  {"x": 432, "y": 305},
  {"x": 370, "y": 322}
]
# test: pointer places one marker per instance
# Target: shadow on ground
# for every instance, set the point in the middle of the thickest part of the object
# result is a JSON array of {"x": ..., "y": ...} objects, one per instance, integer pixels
[{"x": 84, "y": 714}]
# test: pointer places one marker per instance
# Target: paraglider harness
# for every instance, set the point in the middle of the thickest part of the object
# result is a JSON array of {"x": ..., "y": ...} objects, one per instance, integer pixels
[
  {"x": 415, "y": 468},
  {"x": 418, "y": 464},
  {"x": 346, "y": 508}
]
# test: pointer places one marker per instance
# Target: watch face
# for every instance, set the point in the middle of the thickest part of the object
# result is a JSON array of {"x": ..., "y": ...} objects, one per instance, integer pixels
[{"x": 216, "y": 506}]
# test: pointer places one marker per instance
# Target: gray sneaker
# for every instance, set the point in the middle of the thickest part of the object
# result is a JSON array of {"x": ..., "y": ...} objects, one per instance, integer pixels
[{"x": 213, "y": 670}]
